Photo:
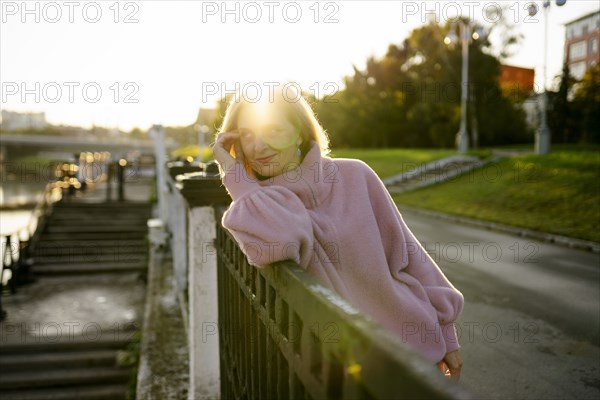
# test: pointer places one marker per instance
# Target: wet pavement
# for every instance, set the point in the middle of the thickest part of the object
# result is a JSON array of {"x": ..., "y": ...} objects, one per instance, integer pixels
[
  {"x": 74, "y": 308},
  {"x": 88, "y": 307}
]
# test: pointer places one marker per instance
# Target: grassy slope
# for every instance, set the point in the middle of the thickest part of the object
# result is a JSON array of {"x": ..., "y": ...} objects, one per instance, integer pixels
[
  {"x": 557, "y": 193},
  {"x": 389, "y": 162}
]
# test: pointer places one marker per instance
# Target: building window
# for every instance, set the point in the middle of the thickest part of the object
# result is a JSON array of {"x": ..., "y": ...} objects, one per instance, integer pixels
[
  {"x": 578, "y": 69},
  {"x": 593, "y": 46},
  {"x": 577, "y": 50}
]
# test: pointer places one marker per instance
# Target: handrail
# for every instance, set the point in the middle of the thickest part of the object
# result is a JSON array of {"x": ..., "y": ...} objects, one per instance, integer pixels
[
  {"x": 52, "y": 194},
  {"x": 19, "y": 265},
  {"x": 284, "y": 335}
]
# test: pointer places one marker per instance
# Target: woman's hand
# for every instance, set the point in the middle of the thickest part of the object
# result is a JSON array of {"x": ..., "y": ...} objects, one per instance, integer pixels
[
  {"x": 222, "y": 150},
  {"x": 451, "y": 365}
]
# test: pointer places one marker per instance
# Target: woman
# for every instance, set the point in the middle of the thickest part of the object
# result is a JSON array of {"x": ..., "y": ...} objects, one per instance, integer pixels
[{"x": 335, "y": 218}]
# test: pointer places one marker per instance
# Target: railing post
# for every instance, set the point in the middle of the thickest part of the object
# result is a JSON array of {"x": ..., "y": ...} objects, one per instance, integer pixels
[
  {"x": 3, "y": 249},
  {"x": 157, "y": 133},
  {"x": 203, "y": 191},
  {"x": 120, "y": 180},
  {"x": 178, "y": 229},
  {"x": 109, "y": 178}
]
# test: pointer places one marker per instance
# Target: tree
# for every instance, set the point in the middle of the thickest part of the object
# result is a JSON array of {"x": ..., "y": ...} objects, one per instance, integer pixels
[
  {"x": 137, "y": 133},
  {"x": 562, "y": 116},
  {"x": 587, "y": 101},
  {"x": 411, "y": 97}
]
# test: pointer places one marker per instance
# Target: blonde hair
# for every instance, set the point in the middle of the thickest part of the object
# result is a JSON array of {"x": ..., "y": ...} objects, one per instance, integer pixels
[{"x": 297, "y": 111}]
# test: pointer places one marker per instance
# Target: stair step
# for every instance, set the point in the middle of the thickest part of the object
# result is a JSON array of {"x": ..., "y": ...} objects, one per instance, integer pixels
[
  {"x": 64, "y": 244},
  {"x": 94, "y": 340},
  {"x": 29, "y": 361},
  {"x": 100, "y": 206},
  {"x": 62, "y": 377},
  {"x": 122, "y": 256},
  {"x": 103, "y": 220},
  {"x": 91, "y": 228},
  {"x": 56, "y": 236},
  {"x": 88, "y": 268},
  {"x": 90, "y": 249},
  {"x": 67, "y": 212},
  {"x": 109, "y": 204},
  {"x": 103, "y": 392}
]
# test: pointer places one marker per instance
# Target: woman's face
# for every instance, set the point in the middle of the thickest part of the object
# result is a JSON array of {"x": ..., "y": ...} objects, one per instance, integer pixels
[{"x": 269, "y": 141}]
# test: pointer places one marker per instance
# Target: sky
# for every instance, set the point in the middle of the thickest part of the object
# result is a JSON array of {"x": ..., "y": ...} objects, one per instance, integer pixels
[{"x": 132, "y": 64}]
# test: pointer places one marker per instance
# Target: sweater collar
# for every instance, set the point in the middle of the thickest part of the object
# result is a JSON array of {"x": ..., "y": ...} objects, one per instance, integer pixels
[{"x": 307, "y": 181}]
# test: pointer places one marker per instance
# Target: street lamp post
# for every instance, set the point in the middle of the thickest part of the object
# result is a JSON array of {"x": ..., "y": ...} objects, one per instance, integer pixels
[
  {"x": 542, "y": 135},
  {"x": 462, "y": 138},
  {"x": 466, "y": 36}
]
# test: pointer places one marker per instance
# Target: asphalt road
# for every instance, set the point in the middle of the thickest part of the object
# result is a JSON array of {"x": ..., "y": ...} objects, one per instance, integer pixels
[{"x": 530, "y": 328}]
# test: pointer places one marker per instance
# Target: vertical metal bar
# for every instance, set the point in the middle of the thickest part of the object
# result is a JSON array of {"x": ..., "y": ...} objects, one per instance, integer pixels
[
  {"x": 262, "y": 359},
  {"x": 121, "y": 180},
  {"x": 2, "y": 249},
  {"x": 272, "y": 370},
  {"x": 109, "y": 177},
  {"x": 283, "y": 381},
  {"x": 12, "y": 282}
]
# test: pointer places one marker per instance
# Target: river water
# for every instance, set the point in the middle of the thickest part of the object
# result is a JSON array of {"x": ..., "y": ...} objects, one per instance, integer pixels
[{"x": 17, "y": 200}]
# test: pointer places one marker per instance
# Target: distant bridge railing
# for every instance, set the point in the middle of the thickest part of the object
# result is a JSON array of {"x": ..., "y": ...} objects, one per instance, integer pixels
[
  {"x": 77, "y": 143},
  {"x": 275, "y": 332}
]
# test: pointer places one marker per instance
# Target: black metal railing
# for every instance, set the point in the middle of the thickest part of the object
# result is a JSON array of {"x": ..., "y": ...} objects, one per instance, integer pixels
[
  {"x": 284, "y": 336},
  {"x": 18, "y": 246}
]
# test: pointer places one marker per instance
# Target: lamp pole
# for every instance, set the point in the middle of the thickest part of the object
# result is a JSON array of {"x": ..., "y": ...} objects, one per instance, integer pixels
[
  {"x": 462, "y": 137},
  {"x": 542, "y": 135}
]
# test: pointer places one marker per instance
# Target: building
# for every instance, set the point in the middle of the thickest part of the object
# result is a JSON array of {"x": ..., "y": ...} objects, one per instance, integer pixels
[
  {"x": 516, "y": 80},
  {"x": 517, "y": 84},
  {"x": 581, "y": 43},
  {"x": 12, "y": 120}
]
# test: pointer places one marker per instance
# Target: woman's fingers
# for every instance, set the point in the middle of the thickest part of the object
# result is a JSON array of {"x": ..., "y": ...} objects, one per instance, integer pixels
[
  {"x": 239, "y": 154},
  {"x": 454, "y": 362},
  {"x": 226, "y": 139},
  {"x": 223, "y": 145},
  {"x": 441, "y": 366}
]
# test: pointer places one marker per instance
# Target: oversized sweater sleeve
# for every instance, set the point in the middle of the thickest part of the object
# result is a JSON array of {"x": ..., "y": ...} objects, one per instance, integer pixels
[
  {"x": 269, "y": 223},
  {"x": 410, "y": 263}
]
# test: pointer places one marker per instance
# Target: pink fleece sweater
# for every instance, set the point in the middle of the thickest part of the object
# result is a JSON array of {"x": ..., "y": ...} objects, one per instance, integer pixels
[{"x": 335, "y": 218}]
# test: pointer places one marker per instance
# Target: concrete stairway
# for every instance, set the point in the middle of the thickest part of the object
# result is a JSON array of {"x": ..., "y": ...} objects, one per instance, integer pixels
[
  {"x": 77, "y": 369},
  {"x": 87, "y": 238},
  {"x": 434, "y": 172},
  {"x": 87, "y": 263}
]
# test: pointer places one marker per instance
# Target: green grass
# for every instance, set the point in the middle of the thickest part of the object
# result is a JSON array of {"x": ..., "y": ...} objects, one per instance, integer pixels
[
  {"x": 34, "y": 159},
  {"x": 557, "y": 193},
  {"x": 192, "y": 150},
  {"x": 386, "y": 162},
  {"x": 389, "y": 162}
]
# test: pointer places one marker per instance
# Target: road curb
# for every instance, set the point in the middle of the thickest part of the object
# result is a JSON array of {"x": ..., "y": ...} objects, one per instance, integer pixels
[{"x": 566, "y": 241}]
